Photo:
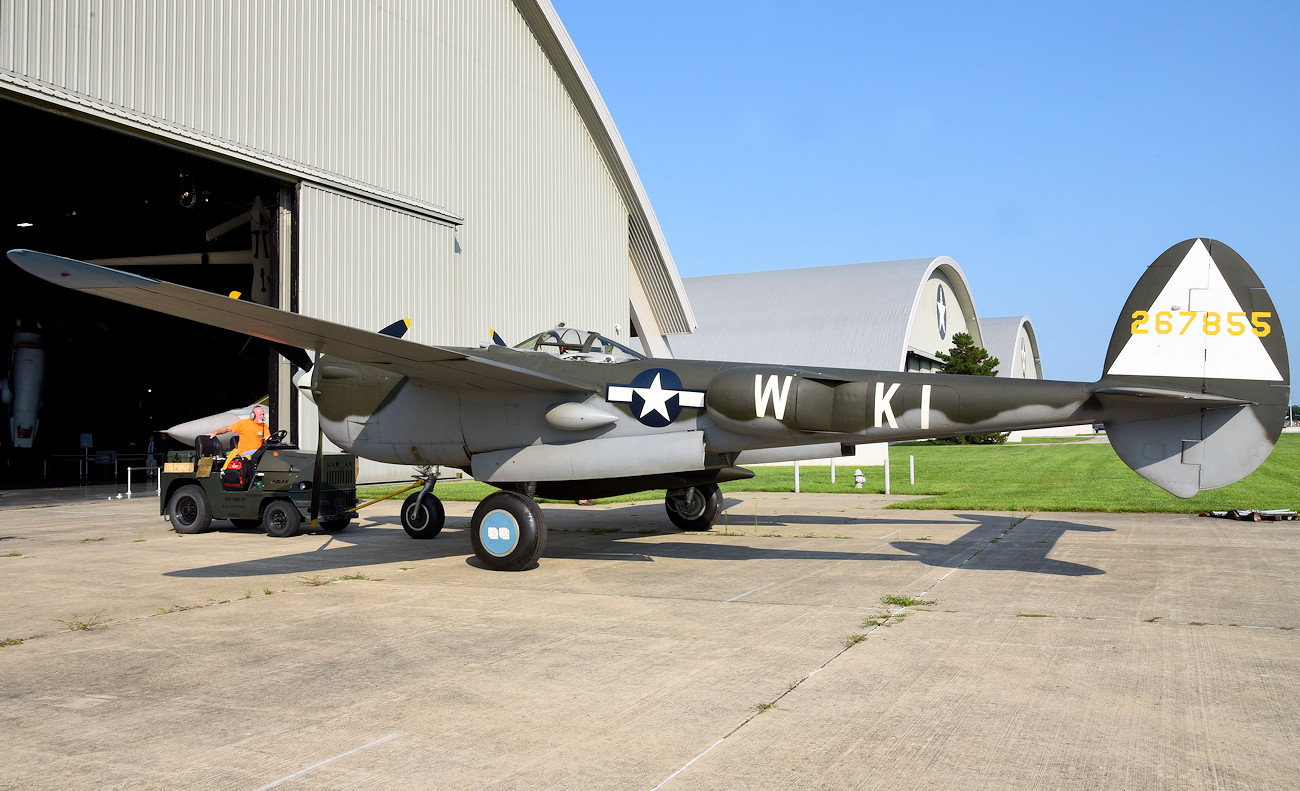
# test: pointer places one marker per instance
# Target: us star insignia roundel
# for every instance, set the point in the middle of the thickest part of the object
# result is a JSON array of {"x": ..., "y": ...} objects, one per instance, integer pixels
[
  {"x": 656, "y": 396},
  {"x": 941, "y": 312}
]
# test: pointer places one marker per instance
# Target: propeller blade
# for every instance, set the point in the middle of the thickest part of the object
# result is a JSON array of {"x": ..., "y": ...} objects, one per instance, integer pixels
[
  {"x": 320, "y": 447},
  {"x": 304, "y": 361},
  {"x": 316, "y": 475},
  {"x": 294, "y": 355},
  {"x": 397, "y": 329}
]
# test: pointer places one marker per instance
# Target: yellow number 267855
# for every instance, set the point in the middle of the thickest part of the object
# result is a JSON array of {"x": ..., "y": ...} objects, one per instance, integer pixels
[{"x": 1211, "y": 323}]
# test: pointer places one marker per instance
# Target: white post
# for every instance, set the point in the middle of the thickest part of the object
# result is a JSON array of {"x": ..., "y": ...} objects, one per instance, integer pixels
[
  {"x": 886, "y": 472},
  {"x": 796, "y": 476},
  {"x": 128, "y": 483},
  {"x": 832, "y": 470},
  {"x": 911, "y": 470}
]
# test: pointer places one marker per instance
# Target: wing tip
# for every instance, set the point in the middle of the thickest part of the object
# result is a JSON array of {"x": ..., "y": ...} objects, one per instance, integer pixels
[{"x": 74, "y": 274}]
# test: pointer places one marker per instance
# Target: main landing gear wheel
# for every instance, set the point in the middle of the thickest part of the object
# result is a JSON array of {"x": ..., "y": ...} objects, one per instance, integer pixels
[
  {"x": 508, "y": 531},
  {"x": 425, "y": 521},
  {"x": 282, "y": 519},
  {"x": 695, "y": 507},
  {"x": 189, "y": 510}
]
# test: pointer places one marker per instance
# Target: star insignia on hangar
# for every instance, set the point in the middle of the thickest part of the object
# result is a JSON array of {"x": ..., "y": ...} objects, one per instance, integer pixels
[
  {"x": 941, "y": 312},
  {"x": 656, "y": 396}
]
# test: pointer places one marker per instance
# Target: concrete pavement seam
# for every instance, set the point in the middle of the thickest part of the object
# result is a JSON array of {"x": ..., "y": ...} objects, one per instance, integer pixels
[{"x": 892, "y": 615}]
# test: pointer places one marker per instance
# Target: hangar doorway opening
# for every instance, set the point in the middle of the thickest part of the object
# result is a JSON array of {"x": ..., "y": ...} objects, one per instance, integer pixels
[{"x": 115, "y": 375}]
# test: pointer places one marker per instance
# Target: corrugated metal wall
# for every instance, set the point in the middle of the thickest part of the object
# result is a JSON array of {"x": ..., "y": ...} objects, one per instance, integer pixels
[
  {"x": 394, "y": 115},
  {"x": 654, "y": 279},
  {"x": 446, "y": 175},
  {"x": 664, "y": 302},
  {"x": 371, "y": 265}
]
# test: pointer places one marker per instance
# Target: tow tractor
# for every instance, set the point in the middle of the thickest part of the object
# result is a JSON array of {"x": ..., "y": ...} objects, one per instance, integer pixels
[{"x": 279, "y": 491}]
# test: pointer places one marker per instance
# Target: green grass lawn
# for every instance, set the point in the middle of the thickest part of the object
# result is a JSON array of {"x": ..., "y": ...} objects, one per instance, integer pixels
[
  {"x": 1032, "y": 477},
  {"x": 1073, "y": 477}
]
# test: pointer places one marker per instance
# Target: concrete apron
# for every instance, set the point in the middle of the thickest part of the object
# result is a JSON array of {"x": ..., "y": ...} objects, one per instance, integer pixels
[{"x": 1061, "y": 651}]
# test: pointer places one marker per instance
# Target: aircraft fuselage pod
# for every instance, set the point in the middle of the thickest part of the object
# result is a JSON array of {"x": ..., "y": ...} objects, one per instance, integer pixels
[{"x": 675, "y": 419}]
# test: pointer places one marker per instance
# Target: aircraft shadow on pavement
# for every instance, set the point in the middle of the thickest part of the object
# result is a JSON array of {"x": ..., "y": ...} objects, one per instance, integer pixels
[
  {"x": 1026, "y": 550},
  {"x": 371, "y": 543},
  {"x": 989, "y": 545}
]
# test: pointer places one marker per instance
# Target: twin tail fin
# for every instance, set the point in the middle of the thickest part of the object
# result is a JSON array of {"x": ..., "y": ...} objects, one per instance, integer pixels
[{"x": 1196, "y": 382}]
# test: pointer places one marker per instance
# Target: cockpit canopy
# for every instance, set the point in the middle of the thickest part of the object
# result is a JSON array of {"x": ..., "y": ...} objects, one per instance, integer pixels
[{"x": 569, "y": 343}]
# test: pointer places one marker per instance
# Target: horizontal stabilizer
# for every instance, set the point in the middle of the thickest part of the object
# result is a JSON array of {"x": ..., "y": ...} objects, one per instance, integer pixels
[{"x": 1204, "y": 399}]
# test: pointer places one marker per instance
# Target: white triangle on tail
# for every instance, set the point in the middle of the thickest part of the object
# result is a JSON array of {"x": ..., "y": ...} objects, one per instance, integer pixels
[{"x": 1200, "y": 346}]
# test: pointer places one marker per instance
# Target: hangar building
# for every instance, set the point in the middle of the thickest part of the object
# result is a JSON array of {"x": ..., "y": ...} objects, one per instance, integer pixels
[
  {"x": 887, "y": 316},
  {"x": 1011, "y": 339},
  {"x": 449, "y": 162}
]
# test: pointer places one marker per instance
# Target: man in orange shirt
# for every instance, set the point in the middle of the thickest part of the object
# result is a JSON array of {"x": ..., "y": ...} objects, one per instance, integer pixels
[{"x": 251, "y": 430}]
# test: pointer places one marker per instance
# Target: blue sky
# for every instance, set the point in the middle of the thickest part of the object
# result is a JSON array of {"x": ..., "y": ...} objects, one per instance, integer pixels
[{"x": 1052, "y": 149}]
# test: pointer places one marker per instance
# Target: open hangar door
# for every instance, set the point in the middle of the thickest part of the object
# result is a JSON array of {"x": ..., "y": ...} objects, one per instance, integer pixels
[{"x": 115, "y": 372}]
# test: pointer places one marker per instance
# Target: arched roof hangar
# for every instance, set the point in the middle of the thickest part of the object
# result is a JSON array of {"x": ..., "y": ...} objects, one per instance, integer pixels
[
  {"x": 943, "y": 307},
  {"x": 1011, "y": 339},
  {"x": 887, "y": 315}
]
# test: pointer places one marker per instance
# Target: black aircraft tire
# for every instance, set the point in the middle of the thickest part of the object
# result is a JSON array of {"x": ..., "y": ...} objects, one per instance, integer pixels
[
  {"x": 282, "y": 519},
  {"x": 694, "y": 508},
  {"x": 425, "y": 522},
  {"x": 508, "y": 531},
  {"x": 189, "y": 510},
  {"x": 332, "y": 525}
]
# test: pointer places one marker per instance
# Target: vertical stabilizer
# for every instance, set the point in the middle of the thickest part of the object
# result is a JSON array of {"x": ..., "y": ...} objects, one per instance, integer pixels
[{"x": 1201, "y": 322}]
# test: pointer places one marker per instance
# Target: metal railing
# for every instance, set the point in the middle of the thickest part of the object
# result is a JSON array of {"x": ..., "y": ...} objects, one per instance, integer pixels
[{"x": 157, "y": 479}]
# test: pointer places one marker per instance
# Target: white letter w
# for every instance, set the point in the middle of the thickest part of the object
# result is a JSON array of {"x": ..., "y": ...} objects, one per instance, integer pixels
[{"x": 770, "y": 393}]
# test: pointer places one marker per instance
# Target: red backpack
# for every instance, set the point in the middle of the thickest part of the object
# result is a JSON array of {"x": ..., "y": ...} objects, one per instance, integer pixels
[{"x": 235, "y": 474}]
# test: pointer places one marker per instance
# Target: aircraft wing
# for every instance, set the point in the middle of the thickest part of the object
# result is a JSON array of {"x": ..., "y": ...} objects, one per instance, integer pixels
[{"x": 443, "y": 366}]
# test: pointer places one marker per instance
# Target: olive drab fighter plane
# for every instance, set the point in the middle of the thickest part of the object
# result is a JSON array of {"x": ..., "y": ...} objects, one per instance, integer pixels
[{"x": 1192, "y": 395}]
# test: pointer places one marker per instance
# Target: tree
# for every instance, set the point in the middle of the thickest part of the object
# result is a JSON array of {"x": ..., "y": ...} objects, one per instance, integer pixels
[{"x": 967, "y": 358}]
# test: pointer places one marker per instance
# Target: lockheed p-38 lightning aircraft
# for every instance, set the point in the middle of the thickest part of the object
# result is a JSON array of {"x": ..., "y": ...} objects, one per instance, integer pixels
[{"x": 1192, "y": 395}]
